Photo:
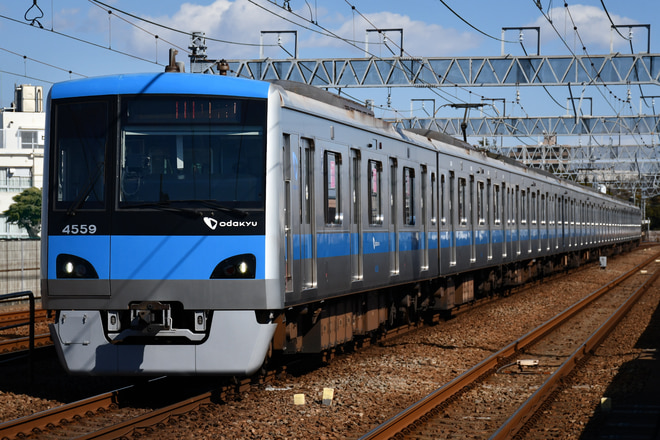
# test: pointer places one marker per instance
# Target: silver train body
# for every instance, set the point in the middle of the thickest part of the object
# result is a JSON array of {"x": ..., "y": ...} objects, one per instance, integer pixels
[{"x": 198, "y": 241}]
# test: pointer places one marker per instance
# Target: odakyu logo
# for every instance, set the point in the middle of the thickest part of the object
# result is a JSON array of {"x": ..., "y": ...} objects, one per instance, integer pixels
[{"x": 213, "y": 223}]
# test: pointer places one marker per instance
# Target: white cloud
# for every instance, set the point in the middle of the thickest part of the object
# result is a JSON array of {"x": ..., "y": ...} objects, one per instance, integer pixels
[
  {"x": 241, "y": 21},
  {"x": 593, "y": 27},
  {"x": 228, "y": 21},
  {"x": 419, "y": 38}
]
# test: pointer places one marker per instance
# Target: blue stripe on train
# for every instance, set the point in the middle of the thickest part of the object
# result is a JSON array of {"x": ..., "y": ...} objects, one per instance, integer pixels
[{"x": 155, "y": 257}]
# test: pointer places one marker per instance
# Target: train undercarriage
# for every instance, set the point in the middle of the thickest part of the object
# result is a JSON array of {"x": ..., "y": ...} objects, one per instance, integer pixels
[{"x": 324, "y": 325}]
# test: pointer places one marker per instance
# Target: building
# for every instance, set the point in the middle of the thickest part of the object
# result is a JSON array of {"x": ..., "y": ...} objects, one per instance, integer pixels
[{"x": 21, "y": 151}]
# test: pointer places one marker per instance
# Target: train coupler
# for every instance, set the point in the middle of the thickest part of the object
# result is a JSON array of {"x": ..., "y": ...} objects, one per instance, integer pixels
[{"x": 151, "y": 316}]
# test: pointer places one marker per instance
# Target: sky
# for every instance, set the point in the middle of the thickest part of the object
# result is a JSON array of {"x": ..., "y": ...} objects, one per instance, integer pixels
[{"x": 43, "y": 42}]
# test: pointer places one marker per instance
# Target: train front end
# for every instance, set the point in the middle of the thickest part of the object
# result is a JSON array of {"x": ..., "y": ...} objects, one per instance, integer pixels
[{"x": 155, "y": 254}]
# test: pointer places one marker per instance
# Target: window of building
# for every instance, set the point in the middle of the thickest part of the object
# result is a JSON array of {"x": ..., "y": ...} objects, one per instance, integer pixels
[
  {"x": 15, "y": 179},
  {"x": 30, "y": 139}
]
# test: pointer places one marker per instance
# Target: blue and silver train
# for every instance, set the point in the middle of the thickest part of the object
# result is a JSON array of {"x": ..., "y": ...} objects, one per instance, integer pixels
[{"x": 198, "y": 224}]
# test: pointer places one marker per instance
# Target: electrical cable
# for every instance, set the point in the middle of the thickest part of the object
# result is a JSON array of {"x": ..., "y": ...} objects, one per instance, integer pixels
[
  {"x": 27, "y": 77},
  {"x": 436, "y": 92},
  {"x": 109, "y": 11},
  {"x": 169, "y": 28},
  {"x": 25, "y": 57},
  {"x": 470, "y": 24},
  {"x": 602, "y": 2},
  {"x": 80, "y": 40},
  {"x": 592, "y": 80}
]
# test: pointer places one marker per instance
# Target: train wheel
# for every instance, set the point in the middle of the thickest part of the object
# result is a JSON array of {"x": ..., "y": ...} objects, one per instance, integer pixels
[{"x": 392, "y": 315}]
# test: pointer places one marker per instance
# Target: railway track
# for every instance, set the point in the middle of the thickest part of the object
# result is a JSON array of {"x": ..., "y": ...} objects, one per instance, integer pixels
[
  {"x": 505, "y": 391},
  {"x": 18, "y": 317},
  {"x": 11, "y": 343},
  {"x": 122, "y": 412},
  {"x": 120, "y": 417}
]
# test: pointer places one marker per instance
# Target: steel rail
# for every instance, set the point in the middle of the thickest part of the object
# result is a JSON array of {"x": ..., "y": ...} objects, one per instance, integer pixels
[
  {"x": 14, "y": 318},
  {"x": 515, "y": 424},
  {"x": 433, "y": 403},
  {"x": 23, "y": 344},
  {"x": 41, "y": 420},
  {"x": 149, "y": 419}
]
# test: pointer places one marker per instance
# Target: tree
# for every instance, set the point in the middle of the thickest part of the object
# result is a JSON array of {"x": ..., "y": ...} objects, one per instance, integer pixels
[
  {"x": 26, "y": 211},
  {"x": 653, "y": 212}
]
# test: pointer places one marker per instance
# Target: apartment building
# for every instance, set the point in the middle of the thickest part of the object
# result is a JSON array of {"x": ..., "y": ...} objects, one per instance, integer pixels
[{"x": 21, "y": 150}]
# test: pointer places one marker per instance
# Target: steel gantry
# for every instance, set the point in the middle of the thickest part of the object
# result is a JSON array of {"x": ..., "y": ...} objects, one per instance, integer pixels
[
  {"x": 612, "y": 69},
  {"x": 628, "y": 160}
]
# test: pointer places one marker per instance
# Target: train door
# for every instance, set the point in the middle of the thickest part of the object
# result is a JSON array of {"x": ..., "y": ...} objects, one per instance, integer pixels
[
  {"x": 357, "y": 253},
  {"x": 517, "y": 219},
  {"x": 307, "y": 229},
  {"x": 394, "y": 228},
  {"x": 425, "y": 227},
  {"x": 288, "y": 214},
  {"x": 472, "y": 220},
  {"x": 505, "y": 219},
  {"x": 564, "y": 221},
  {"x": 545, "y": 223},
  {"x": 533, "y": 208},
  {"x": 558, "y": 220},
  {"x": 434, "y": 234},
  {"x": 333, "y": 244},
  {"x": 452, "y": 219},
  {"x": 489, "y": 217}
]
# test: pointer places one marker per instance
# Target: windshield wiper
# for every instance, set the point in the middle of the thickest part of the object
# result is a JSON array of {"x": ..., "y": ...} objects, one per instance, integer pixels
[
  {"x": 168, "y": 206},
  {"x": 163, "y": 206},
  {"x": 212, "y": 204},
  {"x": 87, "y": 190}
]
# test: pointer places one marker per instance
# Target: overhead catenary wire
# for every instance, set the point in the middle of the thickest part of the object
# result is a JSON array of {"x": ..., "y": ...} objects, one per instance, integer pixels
[
  {"x": 334, "y": 35},
  {"x": 471, "y": 25},
  {"x": 624, "y": 102},
  {"x": 434, "y": 90},
  {"x": 25, "y": 57},
  {"x": 158, "y": 37},
  {"x": 593, "y": 80},
  {"x": 82, "y": 40},
  {"x": 169, "y": 28}
]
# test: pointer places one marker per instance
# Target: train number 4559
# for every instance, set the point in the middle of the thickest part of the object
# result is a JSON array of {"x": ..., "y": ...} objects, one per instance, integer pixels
[{"x": 79, "y": 229}]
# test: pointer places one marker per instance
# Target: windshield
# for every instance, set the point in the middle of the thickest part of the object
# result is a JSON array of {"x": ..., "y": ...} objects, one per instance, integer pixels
[
  {"x": 175, "y": 149},
  {"x": 81, "y": 133}
]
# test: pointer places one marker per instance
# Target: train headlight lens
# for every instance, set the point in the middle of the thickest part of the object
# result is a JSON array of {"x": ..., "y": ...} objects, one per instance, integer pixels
[
  {"x": 238, "y": 266},
  {"x": 70, "y": 266},
  {"x": 242, "y": 267}
]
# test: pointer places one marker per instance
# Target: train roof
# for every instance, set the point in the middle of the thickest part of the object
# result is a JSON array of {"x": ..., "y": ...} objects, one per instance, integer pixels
[
  {"x": 347, "y": 110},
  {"x": 160, "y": 83},
  {"x": 311, "y": 99}
]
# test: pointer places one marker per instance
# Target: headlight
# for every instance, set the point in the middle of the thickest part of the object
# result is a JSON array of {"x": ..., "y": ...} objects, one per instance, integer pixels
[
  {"x": 238, "y": 266},
  {"x": 70, "y": 266}
]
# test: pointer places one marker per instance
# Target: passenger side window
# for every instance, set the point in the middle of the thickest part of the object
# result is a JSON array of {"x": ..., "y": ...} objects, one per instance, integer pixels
[
  {"x": 408, "y": 196},
  {"x": 462, "y": 208},
  {"x": 375, "y": 193},
  {"x": 496, "y": 204},
  {"x": 443, "y": 219},
  {"x": 481, "y": 205},
  {"x": 332, "y": 188}
]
